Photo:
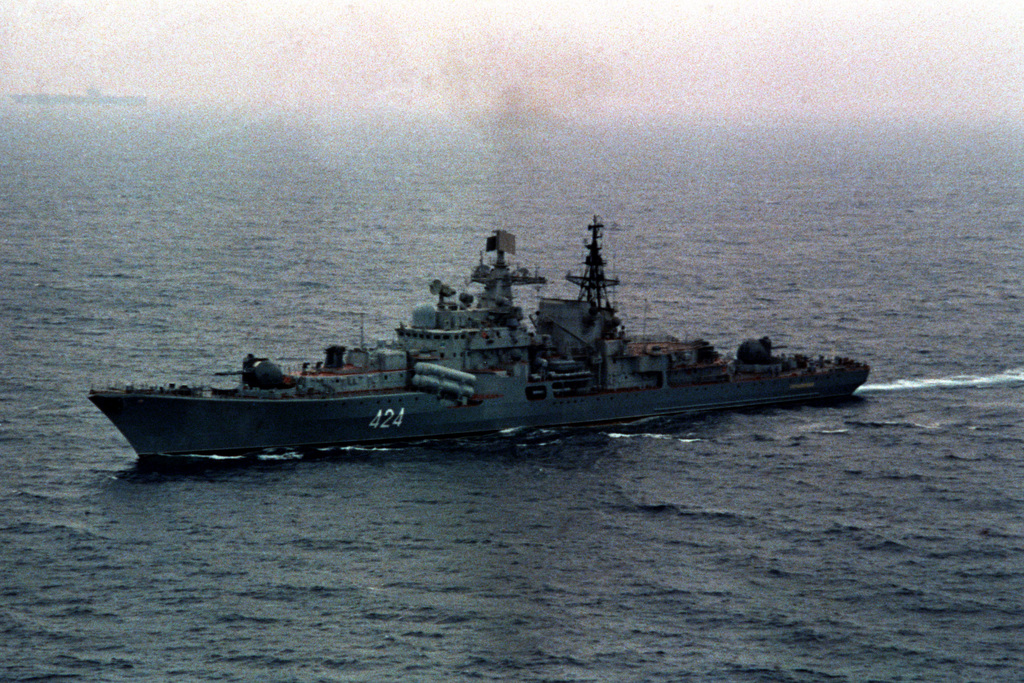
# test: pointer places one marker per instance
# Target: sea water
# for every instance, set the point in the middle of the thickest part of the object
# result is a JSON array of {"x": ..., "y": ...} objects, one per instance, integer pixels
[{"x": 878, "y": 539}]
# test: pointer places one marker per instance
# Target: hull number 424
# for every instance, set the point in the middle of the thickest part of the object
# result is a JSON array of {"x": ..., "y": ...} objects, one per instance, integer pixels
[{"x": 387, "y": 418}]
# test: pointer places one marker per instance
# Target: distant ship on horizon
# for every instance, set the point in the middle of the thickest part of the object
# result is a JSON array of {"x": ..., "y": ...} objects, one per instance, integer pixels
[{"x": 93, "y": 96}]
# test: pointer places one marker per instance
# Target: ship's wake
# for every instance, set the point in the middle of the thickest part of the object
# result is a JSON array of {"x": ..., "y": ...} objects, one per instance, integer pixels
[{"x": 1006, "y": 377}]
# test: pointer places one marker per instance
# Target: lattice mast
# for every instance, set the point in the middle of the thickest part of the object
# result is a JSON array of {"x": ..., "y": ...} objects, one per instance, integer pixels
[{"x": 593, "y": 284}]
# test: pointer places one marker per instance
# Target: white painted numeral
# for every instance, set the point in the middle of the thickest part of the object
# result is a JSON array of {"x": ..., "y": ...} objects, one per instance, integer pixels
[{"x": 387, "y": 418}]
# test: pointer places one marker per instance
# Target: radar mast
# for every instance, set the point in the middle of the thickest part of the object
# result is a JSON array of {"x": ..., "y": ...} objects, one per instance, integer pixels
[
  {"x": 499, "y": 277},
  {"x": 593, "y": 284}
]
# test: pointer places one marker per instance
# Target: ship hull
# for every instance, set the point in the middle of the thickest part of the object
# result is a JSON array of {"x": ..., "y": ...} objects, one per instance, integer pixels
[{"x": 171, "y": 424}]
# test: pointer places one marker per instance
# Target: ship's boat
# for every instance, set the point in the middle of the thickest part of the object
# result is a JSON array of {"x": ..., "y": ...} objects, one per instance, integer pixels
[{"x": 474, "y": 363}]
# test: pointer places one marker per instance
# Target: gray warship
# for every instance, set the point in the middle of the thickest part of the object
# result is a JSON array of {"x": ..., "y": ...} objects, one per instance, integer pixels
[
  {"x": 473, "y": 364},
  {"x": 92, "y": 97}
]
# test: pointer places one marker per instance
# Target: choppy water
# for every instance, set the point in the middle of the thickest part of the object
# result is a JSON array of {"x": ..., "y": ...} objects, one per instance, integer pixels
[{"x": 880, "y": 539}]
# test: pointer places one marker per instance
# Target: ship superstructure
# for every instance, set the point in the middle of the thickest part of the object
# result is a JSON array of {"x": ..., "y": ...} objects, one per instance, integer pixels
[{"x": 473, "y": 363}]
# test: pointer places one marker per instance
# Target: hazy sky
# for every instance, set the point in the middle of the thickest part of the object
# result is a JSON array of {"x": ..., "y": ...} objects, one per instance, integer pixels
[{"x": 740, "y": 59}]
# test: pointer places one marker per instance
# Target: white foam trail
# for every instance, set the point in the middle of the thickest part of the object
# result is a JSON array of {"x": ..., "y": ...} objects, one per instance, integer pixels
[
  {"x": 279, "y": 456},
  {"x": 618, "y": 435},
  {"x": 335, "y": 449},
  {"x": 1015, "y": 376}
]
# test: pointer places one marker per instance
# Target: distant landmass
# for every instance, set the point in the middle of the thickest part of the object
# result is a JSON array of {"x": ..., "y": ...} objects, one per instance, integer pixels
[{"x": 92, "y": 97}]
